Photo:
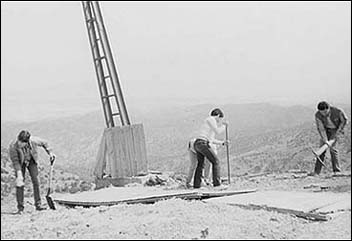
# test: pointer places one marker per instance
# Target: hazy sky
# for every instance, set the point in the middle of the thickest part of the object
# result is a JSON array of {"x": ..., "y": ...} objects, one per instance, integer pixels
[{"x": 180, "y": 52}]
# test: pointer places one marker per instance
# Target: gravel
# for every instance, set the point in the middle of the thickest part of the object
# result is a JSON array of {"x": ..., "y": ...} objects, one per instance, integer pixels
[{"x": 180, "y": 219}]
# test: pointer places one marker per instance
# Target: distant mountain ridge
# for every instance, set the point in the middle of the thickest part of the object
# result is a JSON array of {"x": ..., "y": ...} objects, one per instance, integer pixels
[{"x": 254, "y": 128}]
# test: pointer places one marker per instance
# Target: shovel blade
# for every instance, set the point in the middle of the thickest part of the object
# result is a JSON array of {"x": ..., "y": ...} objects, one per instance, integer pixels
[
  {"x": 318, "y": 158},
  {"x": 50, "y": 202}
]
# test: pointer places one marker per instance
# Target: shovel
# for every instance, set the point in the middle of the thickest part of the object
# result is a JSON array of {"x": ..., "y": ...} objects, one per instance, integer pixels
[
  {"x": 49, "y": 200},
  {"x": 321, "y": 150},
  {"x": 317, "y": 156}
]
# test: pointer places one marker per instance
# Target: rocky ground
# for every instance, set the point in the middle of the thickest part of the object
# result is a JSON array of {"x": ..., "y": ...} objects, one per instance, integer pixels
[{"x": 180, "y": 219}]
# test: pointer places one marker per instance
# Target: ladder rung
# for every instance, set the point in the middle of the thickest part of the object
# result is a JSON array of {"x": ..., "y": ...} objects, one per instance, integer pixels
[
  {"x": 106, "y": 77},
  {"x": 90, "y": 20},
  {"x": 115, "y": 114},
  {"x": 100, "y": 58},
  {"x": 108, "y": 96}
]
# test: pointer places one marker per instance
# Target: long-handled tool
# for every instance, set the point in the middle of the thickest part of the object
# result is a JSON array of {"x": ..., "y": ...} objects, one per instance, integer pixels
[
  {"x": 321, "y": 150},
  {"x": 49, "y": 200},
  {"x": 228, "y": 154},
  {"x": 317, "y": 156}
]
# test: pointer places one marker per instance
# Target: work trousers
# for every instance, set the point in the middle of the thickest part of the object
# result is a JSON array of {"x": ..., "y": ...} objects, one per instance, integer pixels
[
  {"x": 203, "y": 150},
  {"x": 193, "y": 165},
  {"x": 331, "y": 133},
  {"x": 33, "y": 172}
]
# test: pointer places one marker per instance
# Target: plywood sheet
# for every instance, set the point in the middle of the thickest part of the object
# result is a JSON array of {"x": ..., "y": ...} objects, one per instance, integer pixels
[
  {"x": 299, "y": 201},
  {"x": 115, "y": 195}
]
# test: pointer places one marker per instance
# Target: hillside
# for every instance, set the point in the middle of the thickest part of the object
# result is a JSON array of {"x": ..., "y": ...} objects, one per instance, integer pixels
[{"x": 264, "y": 137}]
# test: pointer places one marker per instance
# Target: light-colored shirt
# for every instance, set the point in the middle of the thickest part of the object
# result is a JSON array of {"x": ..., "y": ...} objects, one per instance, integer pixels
[
  {"x": 210, "y": 128},
  {"x": 191, "y": 145}
]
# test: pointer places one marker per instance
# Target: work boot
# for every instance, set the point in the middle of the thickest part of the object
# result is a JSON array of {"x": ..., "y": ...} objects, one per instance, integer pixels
[
  {"x": 220, "y": 187},
  {"x": 312, "y": 174},
  {"x": 337, "y": 173},
  {"x": 19, "y": 212}
]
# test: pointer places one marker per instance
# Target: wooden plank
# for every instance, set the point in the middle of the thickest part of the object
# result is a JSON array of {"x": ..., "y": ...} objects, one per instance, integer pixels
[
  {"x": 109, "y": 156},
  {"x": 113, "y": 150},
  {"x": 100, "y": 165},
  {"x": 136, "y": 144},
  {"x": 211, "y": 194},
  {"x": 122, "y": 142},
  {"x": 341, "y": 174},
  {"x": 120, "y": 150},
  {"x": 115, "y": 195},
  {"x": 333, "y": 207},
  {"x": 128, "y": 145},
  {"x": 308, "y": 205},
  {"x": 143, "y": 149},
  {"x": 300, "y": 201},
  {"x": 140, "y": 148},
  {"x": 146, "y": 200},
  {"x": 300, "y": 214},
  {"x": 130, "y": 152}
]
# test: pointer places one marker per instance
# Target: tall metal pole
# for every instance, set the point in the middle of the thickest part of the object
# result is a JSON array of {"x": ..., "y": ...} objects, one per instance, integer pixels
[
  {"x": 228, "y": 154},
  {"x": 110, "y": 61}
]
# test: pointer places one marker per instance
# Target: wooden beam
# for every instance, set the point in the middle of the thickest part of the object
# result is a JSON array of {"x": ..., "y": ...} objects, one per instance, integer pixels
[
  {"x": 211, "y": 194},
  {"x": 146, "y": 200},
  {"x": 152, "y": 199},
  {"x": 300, "y": 214}
]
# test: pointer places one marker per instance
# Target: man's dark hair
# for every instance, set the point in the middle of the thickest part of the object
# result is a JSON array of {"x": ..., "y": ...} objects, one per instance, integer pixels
[
  {"x": 323, "y": 105},
  {"x": 24, "y": 136},
  {"x": 217, "y": 112}
]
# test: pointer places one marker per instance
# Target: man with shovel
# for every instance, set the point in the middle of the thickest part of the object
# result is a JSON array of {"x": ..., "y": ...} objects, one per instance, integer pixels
[
  {"x": 330, "y": 122},
  {"x": 24, "y": 154}
]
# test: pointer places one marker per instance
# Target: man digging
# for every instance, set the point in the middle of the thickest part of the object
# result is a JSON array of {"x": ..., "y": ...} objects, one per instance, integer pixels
[
  {"x": 330, "y": 122},
  {"x": 24, "y": 154}
]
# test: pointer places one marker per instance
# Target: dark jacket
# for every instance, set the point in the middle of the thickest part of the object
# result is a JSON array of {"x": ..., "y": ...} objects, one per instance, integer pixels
[
  {"x": 337, "y": 117},
  {"x": 17, "y": 155}
]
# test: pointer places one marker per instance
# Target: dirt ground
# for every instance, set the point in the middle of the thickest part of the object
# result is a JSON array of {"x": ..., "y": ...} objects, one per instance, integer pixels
[{"x": 180, "y": 219}]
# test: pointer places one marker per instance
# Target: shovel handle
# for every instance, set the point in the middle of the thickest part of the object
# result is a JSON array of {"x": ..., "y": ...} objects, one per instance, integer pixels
[
  {"x": 227, "y": 153},
  {"x": 317, "y": 156},
  {"x": 50, "y": 175}
]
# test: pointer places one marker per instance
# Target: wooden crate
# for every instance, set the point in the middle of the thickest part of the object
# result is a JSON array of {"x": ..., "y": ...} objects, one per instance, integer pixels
[{"x": 122, "y": 152}]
